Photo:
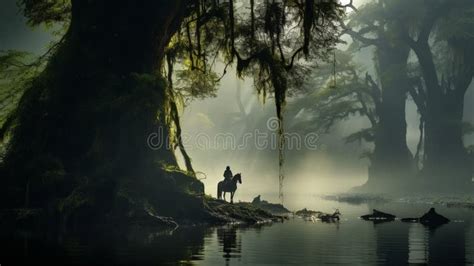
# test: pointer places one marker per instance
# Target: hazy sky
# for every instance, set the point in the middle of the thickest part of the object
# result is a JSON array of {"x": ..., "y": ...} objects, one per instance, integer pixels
[{"x": 14, "y": 34}]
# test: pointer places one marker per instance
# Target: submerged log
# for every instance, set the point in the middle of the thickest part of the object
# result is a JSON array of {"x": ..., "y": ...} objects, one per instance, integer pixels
[
  {"x": 310, "y": 215},
  {"x": 330, "y": 217},
  {"x": 378, "y": 215},
  {"x": 306, "y": 213}
]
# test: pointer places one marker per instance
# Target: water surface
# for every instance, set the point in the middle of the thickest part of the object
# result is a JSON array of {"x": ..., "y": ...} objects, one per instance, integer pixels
[{"x": 351, "y": 241}]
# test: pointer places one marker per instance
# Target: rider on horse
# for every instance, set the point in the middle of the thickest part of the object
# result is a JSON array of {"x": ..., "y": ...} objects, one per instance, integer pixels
[
  {"x": 228, "y": 174},
  {"x": 229, "y": 184}
]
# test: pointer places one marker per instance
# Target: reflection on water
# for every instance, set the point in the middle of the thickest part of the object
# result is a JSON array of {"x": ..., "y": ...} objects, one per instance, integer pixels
[
  {"x": 230, "y": 242},
  {"x": 351, "y": 241},
  {"x": 470, "y": 245},
  {"x": 135, "y": 248},
  {"x": 392, "y": 243},
  {"x": 418, "y": 245}
]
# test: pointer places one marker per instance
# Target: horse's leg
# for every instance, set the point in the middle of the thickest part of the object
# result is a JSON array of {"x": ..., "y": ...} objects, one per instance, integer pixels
[
  {"x": 232, "y": 196},
  {"x": 224, "y": 195}
]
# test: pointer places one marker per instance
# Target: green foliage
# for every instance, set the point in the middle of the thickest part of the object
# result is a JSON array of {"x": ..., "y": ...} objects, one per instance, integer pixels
[
  {"x": 272, "y": 43},
  {"x": 194, "y": 84},
  {"x": 76, "y": 200},
  {"x": 266, "y": 44},
  {"x": 17, "y": 71},
  {"x": 47, "y": 12}
]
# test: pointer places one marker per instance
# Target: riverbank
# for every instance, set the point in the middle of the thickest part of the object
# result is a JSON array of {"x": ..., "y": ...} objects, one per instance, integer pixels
[{"x": 210, "y": 212}]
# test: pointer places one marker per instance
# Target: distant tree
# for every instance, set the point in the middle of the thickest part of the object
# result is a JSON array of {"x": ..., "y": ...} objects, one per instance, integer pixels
[
  {"x": 374, "y": 25},
  {"x": 442, "y": 37},
  {"x": 336, "y": 96}
]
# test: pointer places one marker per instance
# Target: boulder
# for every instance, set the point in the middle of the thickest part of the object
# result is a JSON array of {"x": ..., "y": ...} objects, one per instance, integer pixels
[
  {"x": 273, "y": 208},
  {"x": 433, "y": 218}
]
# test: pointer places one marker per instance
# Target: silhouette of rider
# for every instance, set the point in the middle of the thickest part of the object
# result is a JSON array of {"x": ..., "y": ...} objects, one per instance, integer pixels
[{"x": 228, "y": 174}]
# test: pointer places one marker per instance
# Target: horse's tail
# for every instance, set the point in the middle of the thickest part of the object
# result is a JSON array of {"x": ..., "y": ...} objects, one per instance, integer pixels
[{"x": 219, "y": 190}]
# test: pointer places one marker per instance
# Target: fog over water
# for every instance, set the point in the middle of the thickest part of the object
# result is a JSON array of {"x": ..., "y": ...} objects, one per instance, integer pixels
[{"x": 308, "y": 171}]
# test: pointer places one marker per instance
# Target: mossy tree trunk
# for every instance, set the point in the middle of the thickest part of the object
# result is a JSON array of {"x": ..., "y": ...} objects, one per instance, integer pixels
[{"x": 82, "y": 127}]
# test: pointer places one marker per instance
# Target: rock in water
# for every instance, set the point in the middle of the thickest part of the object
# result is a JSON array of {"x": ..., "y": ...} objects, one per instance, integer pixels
[
  {"x": 378, "y": 215},
  {"x": 433, "y": 218},
  {"x": 305, "y": 212},
  {"x": 273, "y": 208},
  {"x": 256, "y": 200}
]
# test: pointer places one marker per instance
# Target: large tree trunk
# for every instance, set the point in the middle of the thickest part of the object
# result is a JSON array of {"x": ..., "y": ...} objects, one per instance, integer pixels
[
  {"x": 81, "y": 138},
  {"x": 392, "y": 163},
  {"x": 446, "y": 166}
]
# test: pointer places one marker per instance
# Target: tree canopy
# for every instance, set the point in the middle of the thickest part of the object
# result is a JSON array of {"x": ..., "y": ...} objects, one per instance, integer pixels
[{"x": 271, "y": 41}]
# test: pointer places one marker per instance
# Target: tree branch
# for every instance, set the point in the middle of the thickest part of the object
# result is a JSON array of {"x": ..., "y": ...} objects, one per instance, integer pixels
[{"x": 359, "y": 35}]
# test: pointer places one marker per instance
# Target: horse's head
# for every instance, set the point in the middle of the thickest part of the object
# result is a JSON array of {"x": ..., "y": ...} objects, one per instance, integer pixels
[{"x": 238, "y": 178}]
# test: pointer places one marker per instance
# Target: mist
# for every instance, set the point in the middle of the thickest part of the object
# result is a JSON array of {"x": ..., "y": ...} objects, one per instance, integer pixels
[{"x": 236, "y": 132}]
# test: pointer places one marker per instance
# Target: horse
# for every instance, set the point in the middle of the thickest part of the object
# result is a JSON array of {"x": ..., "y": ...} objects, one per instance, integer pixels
[{"x": 230, "y": 186}]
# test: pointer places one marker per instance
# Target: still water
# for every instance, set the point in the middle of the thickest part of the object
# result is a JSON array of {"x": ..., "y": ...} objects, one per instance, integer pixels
[{"x": 351, "y": 241}]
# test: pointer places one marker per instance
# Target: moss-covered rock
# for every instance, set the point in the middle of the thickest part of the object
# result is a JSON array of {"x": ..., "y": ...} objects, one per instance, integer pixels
[
  {"x": 239, "y": 212},
  {"x": 273, "y": 208}
]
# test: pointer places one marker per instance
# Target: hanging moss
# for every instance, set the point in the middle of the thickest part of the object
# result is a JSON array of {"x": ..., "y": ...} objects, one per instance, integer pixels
[{"x": 94, "y": 105}]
